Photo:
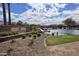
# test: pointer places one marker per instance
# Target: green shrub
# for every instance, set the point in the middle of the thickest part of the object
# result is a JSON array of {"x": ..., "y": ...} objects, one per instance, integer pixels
[
  {"x": 7, "y": 33},
  {"x": 3, "y": 34},
  {"x": 23, "y": 36},
  {"x": 14, "y": 33},
  {"x": 27, "y": 34},
  {"x": 34, "y": 37},
  {"x": 30, "y": 35},
  {"x": 33, "y": 33},
  {"x": 10, "y": 33},
  {"x": 52, "y": 34},
  {"x": 38, "y": 34}
]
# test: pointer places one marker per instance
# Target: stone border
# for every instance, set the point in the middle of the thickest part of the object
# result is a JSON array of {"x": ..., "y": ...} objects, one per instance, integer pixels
[
  {"x": 45, "y": 42},
  {"x": 2, "y": 39}
]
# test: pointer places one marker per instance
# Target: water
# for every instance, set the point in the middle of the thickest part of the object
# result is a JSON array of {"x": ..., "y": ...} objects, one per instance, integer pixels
[{"x": 63, "y": 32}]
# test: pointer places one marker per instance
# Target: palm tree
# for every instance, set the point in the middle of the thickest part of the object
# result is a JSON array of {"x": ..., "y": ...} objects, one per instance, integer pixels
[
  {"x": 9, "y": 14},
  {"x": 4, "y": 13}
]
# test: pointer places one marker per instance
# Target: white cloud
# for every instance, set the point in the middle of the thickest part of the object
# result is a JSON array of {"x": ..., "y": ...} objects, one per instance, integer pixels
[
  {"x": 37, "y": 6},
  {"x": 1, "y": 16},
  {"x": 40, "y": 8},
  {"x": 60, "y": 5},
  {"x": 74, "y": 12},
  {"x": 38, "y": 16},
  {"x": 0, "y": 9}
]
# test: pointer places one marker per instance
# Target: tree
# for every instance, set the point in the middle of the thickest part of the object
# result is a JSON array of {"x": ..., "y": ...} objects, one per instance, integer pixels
[
  {"x": 9, "y": 14},
  {"x": 4, "y": 13},
  {"x": 69, "y": 22},
  {"x": 13, "y": 23},
  {"x": 19, "y": 23},
  {"x": 25, "y": 23},
  {"x": 33, "y": 26}
]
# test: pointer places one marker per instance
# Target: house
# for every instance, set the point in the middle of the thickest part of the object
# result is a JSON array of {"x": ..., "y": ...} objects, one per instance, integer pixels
[{"x": 19, "y": 28}]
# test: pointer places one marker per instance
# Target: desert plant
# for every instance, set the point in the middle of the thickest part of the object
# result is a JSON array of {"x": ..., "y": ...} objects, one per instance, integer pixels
[
  {"x": 10, "y": 33},
  {"x": 23, "y": 36},
  {"x": 9, "y": 51},
  {"x": 15, "y": 33},
  {"x": 38, "y": 34},
  {"x": 34, "y": 37},
  {"x": 27, "y": 34},
  {"x": 30, "y": 35},
  {"x": 33, "y": 33},
  {"x": 12, "y": 41},
  {"x": 31, "y": 43},
  {"x": 52, "y": 34}
]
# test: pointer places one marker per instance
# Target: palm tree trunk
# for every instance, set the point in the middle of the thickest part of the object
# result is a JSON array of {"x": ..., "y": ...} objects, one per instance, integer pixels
[
  {"x": 9, "y": 15},
  {"x": 4, "y": 13}
]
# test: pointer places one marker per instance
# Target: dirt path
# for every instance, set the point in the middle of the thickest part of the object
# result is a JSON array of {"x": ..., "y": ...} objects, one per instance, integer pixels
[
  {"x": 39, "y": 42},
  {"x": 67, "y": 49},
  {"x": 20, "y": 48}
]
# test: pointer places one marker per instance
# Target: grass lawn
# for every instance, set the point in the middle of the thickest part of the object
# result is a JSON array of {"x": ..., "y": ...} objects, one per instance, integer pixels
[{"x": 54, "y": 40}]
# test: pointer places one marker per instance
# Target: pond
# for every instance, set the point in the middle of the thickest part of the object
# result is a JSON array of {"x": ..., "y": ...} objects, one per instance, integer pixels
[{"x": 63, "y": 32}]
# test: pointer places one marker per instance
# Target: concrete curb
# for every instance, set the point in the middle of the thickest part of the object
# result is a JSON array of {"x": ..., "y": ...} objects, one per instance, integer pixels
[
  {"x": 2, "y": 39},
  {"x": 45, "y": 42}
]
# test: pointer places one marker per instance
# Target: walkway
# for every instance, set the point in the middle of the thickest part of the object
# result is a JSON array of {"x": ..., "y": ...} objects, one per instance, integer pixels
[
  {"x": 68, "y": 49},
  {"x": 20, "y": 47}
]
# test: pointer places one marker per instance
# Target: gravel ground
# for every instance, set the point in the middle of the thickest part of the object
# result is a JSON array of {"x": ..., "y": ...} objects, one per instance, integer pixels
[
  {"x": 20, "y": 48},
  {"x": 68, "y": 49}
]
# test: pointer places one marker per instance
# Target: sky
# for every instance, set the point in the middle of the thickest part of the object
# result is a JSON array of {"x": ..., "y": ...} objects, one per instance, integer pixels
[{"x": 42, "y": 13}]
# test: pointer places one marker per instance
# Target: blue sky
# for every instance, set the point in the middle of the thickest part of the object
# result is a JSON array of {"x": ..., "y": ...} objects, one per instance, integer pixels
[
  {"x": 21, "y": 7},
  {"x": 39, "y": 13}
]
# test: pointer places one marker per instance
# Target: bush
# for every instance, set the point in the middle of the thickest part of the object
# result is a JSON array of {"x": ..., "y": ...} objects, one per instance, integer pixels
[
  {"x": 34, "y": 37},
  {"x": 52, "y": 34},
  {"x": 27, "y": 34},
  {"x": 12, "y": 41},
  {"x": 7, "y": 33},
  {"x": 38, "y": 34},
  {"x": 30, "y": 35},
  {"x": 31, "y": 43},
  {"x": 15, "y": 33},
  {"x": 23, "y": 36},
  {"x": 33, "y": 33},
  {"x": 10, "y": 33},
  {"x": 4, "y": 34}
]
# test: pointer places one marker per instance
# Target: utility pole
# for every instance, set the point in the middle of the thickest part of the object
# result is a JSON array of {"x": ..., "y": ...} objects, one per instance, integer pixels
[
  {"x": 4, "y": 13},
  {"x": 9, "y": 14}
]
